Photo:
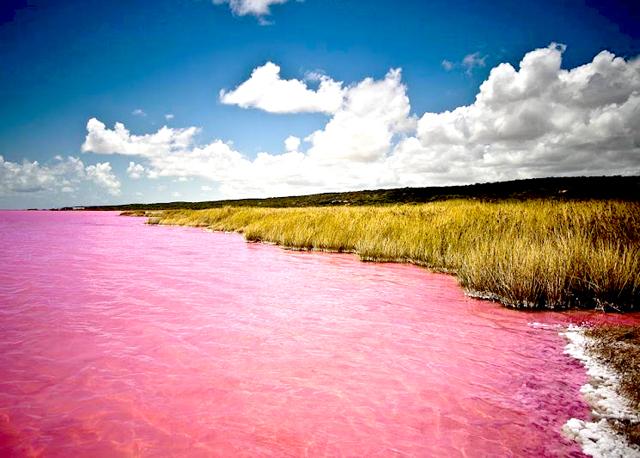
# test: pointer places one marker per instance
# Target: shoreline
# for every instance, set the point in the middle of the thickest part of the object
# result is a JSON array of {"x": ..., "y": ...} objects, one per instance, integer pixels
[
  {"x": 614, "y": 424},
  {"x": 532, "y": 255},
  {"x": 488, "y": 296},
  {"x": 613, "y": 430}
]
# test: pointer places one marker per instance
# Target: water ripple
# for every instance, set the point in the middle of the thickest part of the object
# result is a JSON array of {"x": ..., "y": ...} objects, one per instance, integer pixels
[{"x": 120, "y": 339}]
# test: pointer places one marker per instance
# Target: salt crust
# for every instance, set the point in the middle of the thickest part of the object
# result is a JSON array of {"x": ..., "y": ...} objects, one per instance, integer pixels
[{"x": 597, "y": 437}]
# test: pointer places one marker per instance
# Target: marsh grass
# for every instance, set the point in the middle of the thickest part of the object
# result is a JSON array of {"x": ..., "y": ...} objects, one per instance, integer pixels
[
  {"x": 134, "y": 213},
  {"x": 535, "y": 253}
]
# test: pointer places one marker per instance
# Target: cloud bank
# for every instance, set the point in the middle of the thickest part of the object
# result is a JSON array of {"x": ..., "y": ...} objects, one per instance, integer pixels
[
  {"x": 539, "y": 120},
  {"x": 63, "y": 175},
  {"x": 536, "y": 120}
]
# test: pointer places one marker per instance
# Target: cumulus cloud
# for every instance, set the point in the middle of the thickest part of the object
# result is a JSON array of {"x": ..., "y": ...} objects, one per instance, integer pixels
[
  {"x": 103, "y": 175},
  {"x": 139, "y": 112},
  {"x": 63, "y": 175},
  {"x": 538, "y": 120},
  {"x": 534, "y": 120},
  {"x": 266, "y": 90},
  {"x": 258, "y": 8},
  {"x": 292, "y": 143},
  {"x": 364, "y": 127},
  {"x": 237, "y": 175},
  {"x": 135, "y": 171},
  {"x": 169, "y": 116},
  {"x": 120, "y": 141},
  {"x": 169, "y": 152}
]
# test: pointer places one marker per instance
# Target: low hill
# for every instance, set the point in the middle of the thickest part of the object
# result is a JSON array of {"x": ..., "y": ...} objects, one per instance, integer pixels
[{"x": 561, "y": 188}]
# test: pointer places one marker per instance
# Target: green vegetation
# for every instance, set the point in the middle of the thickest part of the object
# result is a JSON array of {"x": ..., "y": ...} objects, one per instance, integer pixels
[
  {"x": 619, "y": 348},
  {"x": 559, "y": 188},
  {"x": 533, "y": 253}
]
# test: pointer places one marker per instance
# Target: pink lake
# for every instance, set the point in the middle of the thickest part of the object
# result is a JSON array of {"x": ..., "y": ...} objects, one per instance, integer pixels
[{"x": 122, "y": 339}]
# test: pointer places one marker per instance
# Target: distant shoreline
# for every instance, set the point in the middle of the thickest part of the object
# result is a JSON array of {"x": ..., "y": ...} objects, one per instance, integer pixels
[{"x": 625, "y": 188}]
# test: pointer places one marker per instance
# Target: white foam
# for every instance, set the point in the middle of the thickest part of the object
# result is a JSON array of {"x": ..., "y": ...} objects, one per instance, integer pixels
[
  {"x": 537, "y": 325},
  {"x": 597, "y": 437}
]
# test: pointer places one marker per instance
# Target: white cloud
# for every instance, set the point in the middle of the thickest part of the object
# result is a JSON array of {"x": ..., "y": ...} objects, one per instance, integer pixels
[
  {"x": 29, "y": 177},
  {"x": 64, "y": 175},
  {"x": 139, "y": 112},
  {"x": 538, "y": 120},
  {"x": 135, "y": 171},
  {"x": 103, "y": 175},
  {"x": 447, "y": 65},
  {"x": 120, "y": 141},
  {"x": 267, "y": 91},
  {"x": 257, "y": 8},
  {"x": 169, "y": 152},
  {"x": 315, "y": 75},
  {"x": 365, "y": 125},
  {"x": 292, "y": 143},
  {"x": 471, "y": 61},
  {"x": 206, "y": 188},
  {"x": 169, "y": 116}
]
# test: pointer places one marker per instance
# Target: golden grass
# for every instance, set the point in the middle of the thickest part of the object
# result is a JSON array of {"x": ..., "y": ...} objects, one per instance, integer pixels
[
  {"x": 134, "y": 213},
  {"x": 537, "y": 253}
]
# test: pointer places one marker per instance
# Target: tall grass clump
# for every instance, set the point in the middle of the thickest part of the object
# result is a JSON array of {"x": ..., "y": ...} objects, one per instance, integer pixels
[{"x": 535, "y": 253}]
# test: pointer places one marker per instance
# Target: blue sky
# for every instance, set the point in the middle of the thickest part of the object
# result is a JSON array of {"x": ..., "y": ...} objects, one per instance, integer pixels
[{"x": 63, "y": 63}]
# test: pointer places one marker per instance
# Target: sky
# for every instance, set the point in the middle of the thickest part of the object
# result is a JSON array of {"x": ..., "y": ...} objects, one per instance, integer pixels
[{"x": 166, "y": 100}]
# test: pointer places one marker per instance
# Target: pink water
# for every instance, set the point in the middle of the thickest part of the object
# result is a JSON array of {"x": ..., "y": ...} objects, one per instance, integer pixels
[{"x": 121, "y": 339}]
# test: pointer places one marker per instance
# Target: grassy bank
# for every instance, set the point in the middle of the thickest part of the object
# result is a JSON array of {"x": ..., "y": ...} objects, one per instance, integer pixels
[{"x": 534, "y": 253}]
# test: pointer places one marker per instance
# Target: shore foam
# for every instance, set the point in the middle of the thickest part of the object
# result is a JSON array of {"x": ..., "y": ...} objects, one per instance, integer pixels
[{"x": 597, "y": 437}]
